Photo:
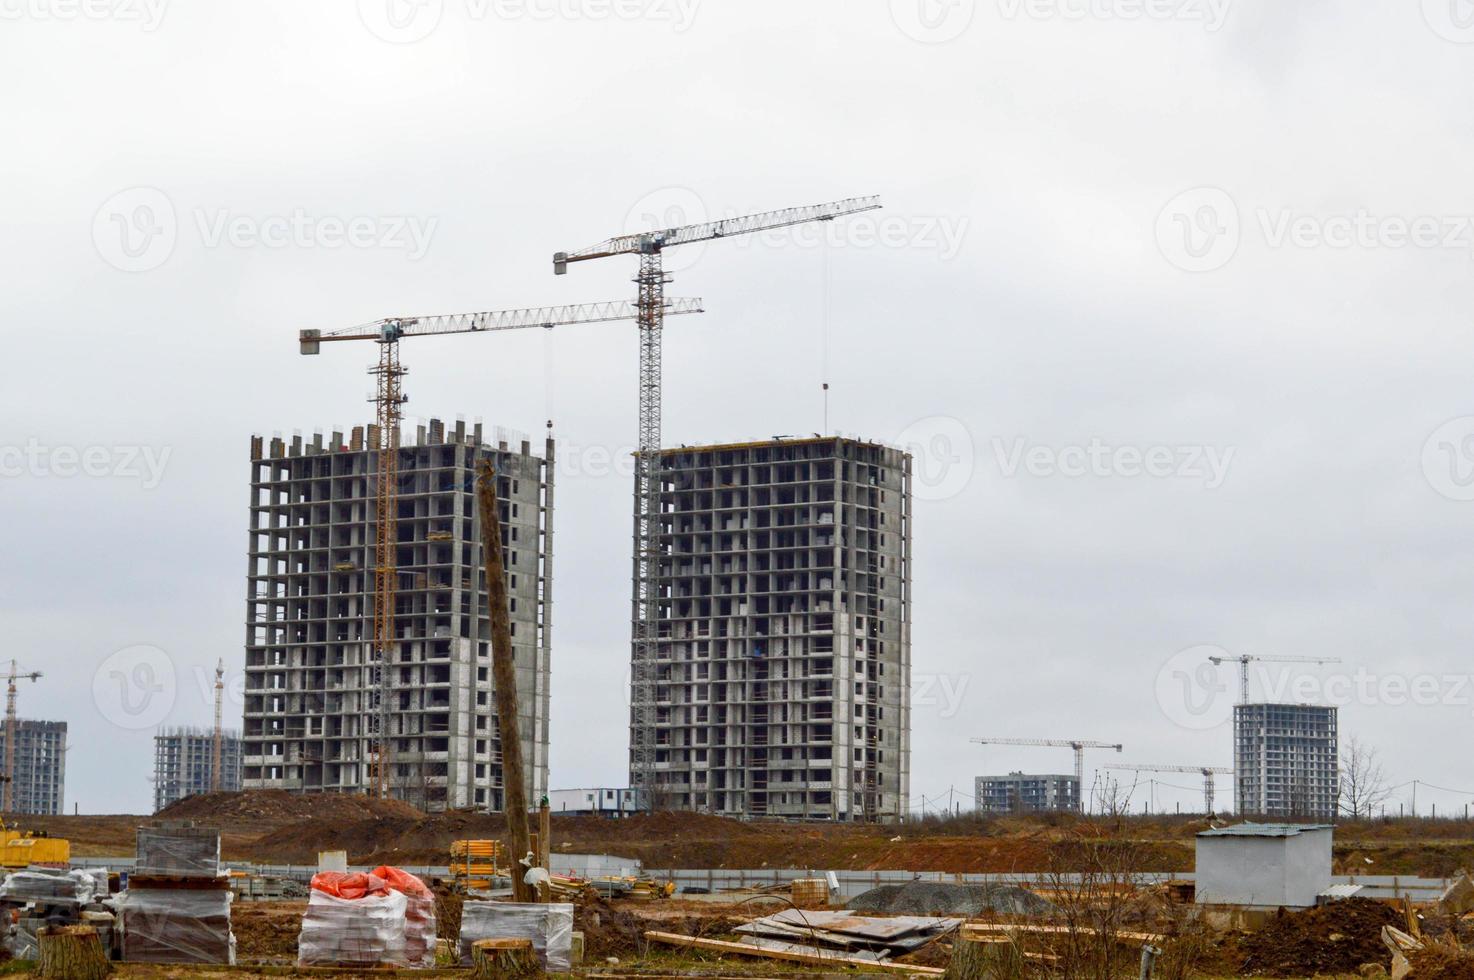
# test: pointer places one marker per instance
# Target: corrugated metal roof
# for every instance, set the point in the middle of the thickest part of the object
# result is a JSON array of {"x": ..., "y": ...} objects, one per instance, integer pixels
[{"x": 1264, "y": 829}]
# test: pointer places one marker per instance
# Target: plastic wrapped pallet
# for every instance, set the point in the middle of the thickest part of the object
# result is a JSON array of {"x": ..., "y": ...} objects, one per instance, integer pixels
[
  {"x": 187, "y": 851},
  {"x": 49, "y": 887},
  {"x": 364, "y": 932},
  {"x": 550, "y": 927},
  {"x": 419, "y": 915},
  {"x": 20, "y": 941},
  {"x": 177, "y": 925}
]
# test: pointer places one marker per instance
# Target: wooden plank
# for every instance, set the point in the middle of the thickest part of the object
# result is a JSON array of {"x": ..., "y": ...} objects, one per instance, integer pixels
[
  {"x": 973, "y": 928},
  {"x": 742, "y": 949}
]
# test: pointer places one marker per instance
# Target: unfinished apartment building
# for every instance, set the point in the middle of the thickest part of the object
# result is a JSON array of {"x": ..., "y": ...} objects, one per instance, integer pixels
[
  {"x": 784, "y": 643},
  {"x": 1285, "y": 760},
  {"x": 38, "y": 785},
  {"x": 309, "y": 626},
  {"x": 184, "y": 763},
  {"x": 1020, "y": 792}
]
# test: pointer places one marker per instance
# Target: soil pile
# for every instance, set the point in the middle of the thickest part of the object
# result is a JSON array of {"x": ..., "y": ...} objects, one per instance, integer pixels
[
  {"x": 1334, "y": 938},
  {"x": 277, "y": 806},
  {"x": 1442, "y": 963},
  {"x": 945, "y": 898},
  {"x": 266, "y": 931}
]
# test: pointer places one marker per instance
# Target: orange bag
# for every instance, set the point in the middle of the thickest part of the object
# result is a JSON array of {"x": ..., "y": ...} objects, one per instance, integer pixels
[
  {"x": 350, "y": 885},
  {"x": 402, "y": 881}
]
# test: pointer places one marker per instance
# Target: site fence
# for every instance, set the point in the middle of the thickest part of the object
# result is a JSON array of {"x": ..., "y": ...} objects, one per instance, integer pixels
[{"x": 851, "y": 883}]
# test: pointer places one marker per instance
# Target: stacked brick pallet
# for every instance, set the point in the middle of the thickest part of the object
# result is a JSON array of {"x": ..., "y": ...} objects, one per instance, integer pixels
[{"x": 177, "y": 908}]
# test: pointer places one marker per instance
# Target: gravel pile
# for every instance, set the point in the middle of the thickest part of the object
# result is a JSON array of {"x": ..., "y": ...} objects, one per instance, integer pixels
[{"x": 945, "y": 898}]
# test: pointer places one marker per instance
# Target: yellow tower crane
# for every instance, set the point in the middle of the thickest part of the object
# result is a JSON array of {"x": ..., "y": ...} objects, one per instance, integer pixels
[{"x": 384, "y": 442}]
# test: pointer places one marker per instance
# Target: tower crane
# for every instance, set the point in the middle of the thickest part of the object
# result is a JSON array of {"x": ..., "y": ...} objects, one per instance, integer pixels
[
  {"x": 384, "y": 443},
  {"x": 651, "y": 281},
  {"x": 10, "y": 731},
  {"x": 1207, "y": 772},
  {"x": 216, "y": 743},
  {"x": 1079, "y": 745},
  {"x": 1244, "y": 659}
]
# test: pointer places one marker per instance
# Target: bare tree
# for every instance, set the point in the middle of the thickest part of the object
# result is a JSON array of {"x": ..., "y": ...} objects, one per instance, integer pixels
[{"x": 1363, "y": 784}]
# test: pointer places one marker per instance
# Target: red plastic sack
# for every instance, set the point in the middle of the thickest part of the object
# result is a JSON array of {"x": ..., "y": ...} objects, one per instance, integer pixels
[
  {"x": 402, "y": 881},
  {"x": 349, "y": 885}
]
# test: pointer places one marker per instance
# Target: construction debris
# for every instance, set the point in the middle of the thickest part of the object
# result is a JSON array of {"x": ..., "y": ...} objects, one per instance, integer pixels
[
  {"x": 843, "y": 932},
  {"x": 814, "y": 958},
  {"x": 946, "y": 898}
]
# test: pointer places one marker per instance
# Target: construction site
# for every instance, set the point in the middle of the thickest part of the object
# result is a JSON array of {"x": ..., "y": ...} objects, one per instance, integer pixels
[{"x": 386, "y": 803}]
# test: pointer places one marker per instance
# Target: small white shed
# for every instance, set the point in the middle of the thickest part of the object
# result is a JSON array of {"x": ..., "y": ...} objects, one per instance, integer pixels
[{"x": 1264, "y": 865}]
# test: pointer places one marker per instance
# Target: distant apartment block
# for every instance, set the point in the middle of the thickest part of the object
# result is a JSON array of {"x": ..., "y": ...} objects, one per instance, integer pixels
[
  {"x": 39, "y": 780},
  {"x": 309, "y": 625},
  {"x": 1020, "y": 792},
  {"x": 184, "y": 763},
  {"x": 1285, "y": 760},
  {"x": 784, "y": 639}
]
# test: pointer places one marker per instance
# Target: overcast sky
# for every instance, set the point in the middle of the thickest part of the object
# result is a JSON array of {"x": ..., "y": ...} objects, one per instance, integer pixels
[{"x": 1171, "y": 297}]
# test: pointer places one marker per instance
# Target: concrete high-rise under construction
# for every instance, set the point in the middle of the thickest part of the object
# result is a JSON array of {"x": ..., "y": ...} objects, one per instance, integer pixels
[
  {"x": 310, "y": 623},
  {"x": 782, "y": 671},
  {"x": 1285, "y": 760},
  {"x": 39, "y": 780},
  {"x": 184, "y": 763}
]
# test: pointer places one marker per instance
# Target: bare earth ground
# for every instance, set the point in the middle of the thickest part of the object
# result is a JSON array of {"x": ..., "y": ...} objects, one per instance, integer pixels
[{"x": 282, "y": 828}]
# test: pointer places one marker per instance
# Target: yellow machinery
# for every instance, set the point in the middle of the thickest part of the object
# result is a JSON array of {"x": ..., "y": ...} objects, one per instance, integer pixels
[
  {"x": 474, "y": 863},
  {"x": 22, "y": 849}
]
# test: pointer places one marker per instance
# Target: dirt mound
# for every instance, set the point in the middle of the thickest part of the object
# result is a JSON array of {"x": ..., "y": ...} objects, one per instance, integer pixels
[
  {"x": 275, "y": 806},
  {"x": 267, "y": 931},
  {"x": 945, "y": 898},
  {"x": 1442, "y": 963},
  {"x": 1335, "y": 938}
]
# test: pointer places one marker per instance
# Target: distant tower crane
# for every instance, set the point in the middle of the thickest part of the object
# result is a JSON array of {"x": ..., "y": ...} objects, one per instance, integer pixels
[
  {"x": 10, "y": 732},
  {"x": 1244, "y": 659},
  {"x": 1079, "y": 745},
  {"x": 384, "y": 442},
  {"x": 216, "y": 743},
  {"x": 651, "y": 281},
  {"x": 1207, "y": 772}
]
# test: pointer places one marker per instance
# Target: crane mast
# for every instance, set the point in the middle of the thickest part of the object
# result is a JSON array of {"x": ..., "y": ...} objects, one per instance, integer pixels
[
  {"x": 10, "y": 732},
  {"x": 216, "y": 743},
  {"x": 389, "y": 398},
  {"x": 650, "y": 281}
]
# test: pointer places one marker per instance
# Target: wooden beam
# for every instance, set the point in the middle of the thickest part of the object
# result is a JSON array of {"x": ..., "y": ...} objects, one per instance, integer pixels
[
  {"x": 986, "y": 927},
  {"x": 742, "y": 949}
]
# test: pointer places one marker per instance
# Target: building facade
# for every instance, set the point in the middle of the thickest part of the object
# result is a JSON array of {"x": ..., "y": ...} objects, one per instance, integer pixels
[
  {"x": 1020, "y": 792},
  {"x": 309, "y": 627},
  {"x": 38, "y": 784},
  {"x": 184, "y": 763},
  {"x": 783, "y": 663},
  {"x": 1285, "y": 760}
]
